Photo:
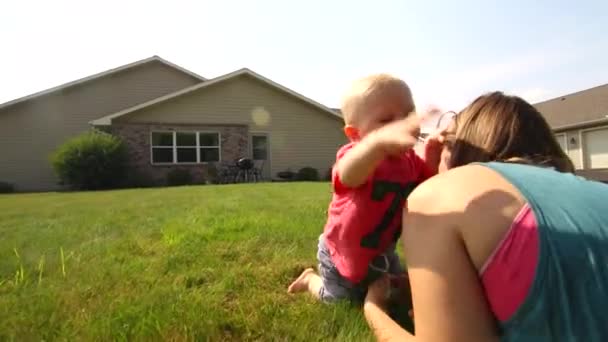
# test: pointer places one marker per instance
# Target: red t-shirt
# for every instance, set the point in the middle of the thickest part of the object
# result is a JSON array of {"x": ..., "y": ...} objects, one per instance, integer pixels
[{"x": 364, "y": 221}]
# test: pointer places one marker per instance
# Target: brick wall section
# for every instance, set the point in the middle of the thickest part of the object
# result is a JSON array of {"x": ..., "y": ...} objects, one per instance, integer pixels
[{"x": 234, "y": 144}]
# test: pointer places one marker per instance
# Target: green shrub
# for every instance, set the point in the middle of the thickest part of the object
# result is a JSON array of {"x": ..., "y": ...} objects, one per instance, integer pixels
[
  {"x": 308, "y": 174},
  {"x": 287, "y": 175},
  {"x": 91, "y": 161},
  {"x": 6, "y": 188},
  {"x": 178, "y": 177}
]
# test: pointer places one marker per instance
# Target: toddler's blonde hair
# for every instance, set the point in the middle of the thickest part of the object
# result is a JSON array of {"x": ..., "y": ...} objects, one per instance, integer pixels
[{"x": 365, "y": 88}]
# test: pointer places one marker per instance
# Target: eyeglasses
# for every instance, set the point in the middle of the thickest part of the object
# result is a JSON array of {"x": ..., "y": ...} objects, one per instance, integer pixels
[
  {"x": 445, "y": 119},
  {"x": 443, "y": 122}
]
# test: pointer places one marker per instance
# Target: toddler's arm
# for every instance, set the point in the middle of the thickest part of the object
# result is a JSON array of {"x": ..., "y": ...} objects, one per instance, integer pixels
[
  {"x": 359, "y": 163},
  {"x": 392, "y": 139}
]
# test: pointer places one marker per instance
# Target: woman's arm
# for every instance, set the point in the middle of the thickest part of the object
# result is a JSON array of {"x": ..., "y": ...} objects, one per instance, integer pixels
[
  {"x": 447, "y": 296},
  {"x": 384, "y": 328},
  {"x": 449, "y": 302}
]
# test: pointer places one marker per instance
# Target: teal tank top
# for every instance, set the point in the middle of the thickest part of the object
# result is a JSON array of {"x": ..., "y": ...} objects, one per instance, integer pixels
[{"x": 568, "y": 300}]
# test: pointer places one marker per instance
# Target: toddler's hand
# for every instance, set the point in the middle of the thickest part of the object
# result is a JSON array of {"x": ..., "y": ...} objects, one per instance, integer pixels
[
  {"x": 433, "y": 146},
  {"x": 399, "y": 136}
]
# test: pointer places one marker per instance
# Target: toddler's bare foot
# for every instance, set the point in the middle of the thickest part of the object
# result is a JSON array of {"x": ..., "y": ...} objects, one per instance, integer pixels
[{"x": 301, "y": 284}]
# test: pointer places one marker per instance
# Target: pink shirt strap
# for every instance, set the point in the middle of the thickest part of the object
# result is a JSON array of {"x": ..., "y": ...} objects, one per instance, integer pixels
[{"x": 508, "y": 273}]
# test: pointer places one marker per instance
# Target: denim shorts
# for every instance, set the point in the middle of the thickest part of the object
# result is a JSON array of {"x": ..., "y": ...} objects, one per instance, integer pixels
[{"x": 336, "y": 287}]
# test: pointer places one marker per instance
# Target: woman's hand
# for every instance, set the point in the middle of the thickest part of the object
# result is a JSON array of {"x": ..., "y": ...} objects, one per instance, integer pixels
[
  {"x": 374, "y": 309},
  {"x": 378, "y": 292}
]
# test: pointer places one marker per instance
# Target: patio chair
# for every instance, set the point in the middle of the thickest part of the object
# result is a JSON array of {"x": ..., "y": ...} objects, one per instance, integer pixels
[{"x": 258, "y": 168}]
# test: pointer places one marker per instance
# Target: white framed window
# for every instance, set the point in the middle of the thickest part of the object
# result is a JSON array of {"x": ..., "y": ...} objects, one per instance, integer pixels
[
  {"x": 185, "y": 143},
  {"x": 184, "y": 147},
  {"x": 163, "y": 147},
  {"x": 209, "y": 147}
]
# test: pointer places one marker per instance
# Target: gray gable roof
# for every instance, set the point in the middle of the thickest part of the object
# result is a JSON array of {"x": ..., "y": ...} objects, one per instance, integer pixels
[
  {"x": 580, "y": 109},
  {"x": 99, "y": 75}
]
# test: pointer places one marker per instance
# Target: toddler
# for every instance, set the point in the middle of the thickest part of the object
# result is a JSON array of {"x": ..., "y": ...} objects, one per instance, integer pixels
[{"x": 371, "y": 178}]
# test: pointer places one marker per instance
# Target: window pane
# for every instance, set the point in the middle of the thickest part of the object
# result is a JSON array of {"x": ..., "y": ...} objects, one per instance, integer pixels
[
  {"x": 162, "y": 155},
  {"x": 186, "y": 139},
  {"x": 186, "y": 155},
  {"x": 259, "y": 154},
  {"x": 209, "y": 139},
  {"x": 258, "y": 141},
  {"x": 210, "y": 154},
  {"x": 162, "y": 139},
  {"x": 260, "y": 149}
]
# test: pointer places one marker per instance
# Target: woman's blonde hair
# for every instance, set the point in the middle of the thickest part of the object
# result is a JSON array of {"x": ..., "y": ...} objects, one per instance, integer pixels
[{"x": 498, "y": 127}]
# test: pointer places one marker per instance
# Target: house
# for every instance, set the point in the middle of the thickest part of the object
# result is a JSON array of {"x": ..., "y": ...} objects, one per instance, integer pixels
[
  {"x": 169, "y": 117},
  {"x": 580, "y": 122}
]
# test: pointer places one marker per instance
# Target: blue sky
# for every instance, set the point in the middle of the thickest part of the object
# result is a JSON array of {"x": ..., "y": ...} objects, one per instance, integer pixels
[{"x": 449, "y": 51}]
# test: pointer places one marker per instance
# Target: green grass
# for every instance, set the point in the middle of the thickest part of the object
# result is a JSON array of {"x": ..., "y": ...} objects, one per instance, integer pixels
[{"x": 205, "y": 263}]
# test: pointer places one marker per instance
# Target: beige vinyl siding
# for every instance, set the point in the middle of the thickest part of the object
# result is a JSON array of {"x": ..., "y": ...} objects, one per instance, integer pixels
[
  {"x": 569, "y": 143},
  {"x": 574, "y": 148},
  {"x": 300, "y": 134},
  {"x": 562, "y": 141},
  {"x": 31, "y": 130}
]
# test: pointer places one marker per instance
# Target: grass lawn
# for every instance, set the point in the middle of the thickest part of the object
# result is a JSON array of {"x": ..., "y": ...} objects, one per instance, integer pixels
[{"x": 189, "y": 263}]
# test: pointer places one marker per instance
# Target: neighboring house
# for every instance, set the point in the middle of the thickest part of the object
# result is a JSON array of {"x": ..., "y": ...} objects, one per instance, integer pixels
[
  {"x": 169, "y": 118},
  {"x": 580, "y": 122}
]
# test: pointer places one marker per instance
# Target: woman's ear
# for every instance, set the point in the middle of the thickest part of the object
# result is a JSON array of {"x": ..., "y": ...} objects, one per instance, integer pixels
[{"x": 351, "y": 132}]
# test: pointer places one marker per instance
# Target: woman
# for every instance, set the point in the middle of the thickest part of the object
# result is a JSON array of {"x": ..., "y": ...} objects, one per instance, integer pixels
[{"x": 514, "y": 248}]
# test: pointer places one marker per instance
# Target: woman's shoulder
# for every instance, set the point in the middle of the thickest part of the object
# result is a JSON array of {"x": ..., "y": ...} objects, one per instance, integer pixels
[
  {"x": 473, "y": 201},
  {"x": 466, "y": 188}
]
